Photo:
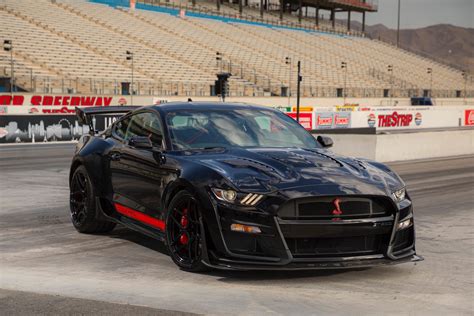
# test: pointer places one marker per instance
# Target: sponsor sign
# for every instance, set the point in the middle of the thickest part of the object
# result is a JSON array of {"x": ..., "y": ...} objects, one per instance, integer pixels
[
  {"x": 371, "y": 120},
  {"x": 326, "y": 120},
  {"x": 347, "y": 107},
  {"x": 283, "y": 109},
  {"x": 303, "y": 109},
  {"x": 418, "y": 119},
  {"x": 406, "y": 119},
  {"x": 469, "y": 117},
  {"x": 394, "y": 119},
  {"x": 53, "y": 104},
  {"x": 342, "y": 120},
  {"x": 306, "y": 119}
]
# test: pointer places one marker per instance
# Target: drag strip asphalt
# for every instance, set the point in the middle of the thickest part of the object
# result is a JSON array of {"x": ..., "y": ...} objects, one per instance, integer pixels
[{"x": 42, "y": 255}]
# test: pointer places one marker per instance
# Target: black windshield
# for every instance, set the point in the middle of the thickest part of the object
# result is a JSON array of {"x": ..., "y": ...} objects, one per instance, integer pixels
[{"x": 192, "y": 129}]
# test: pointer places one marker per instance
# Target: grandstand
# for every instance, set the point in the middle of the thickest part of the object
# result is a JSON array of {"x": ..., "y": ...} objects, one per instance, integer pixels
[{"x": 79, "y": 46}]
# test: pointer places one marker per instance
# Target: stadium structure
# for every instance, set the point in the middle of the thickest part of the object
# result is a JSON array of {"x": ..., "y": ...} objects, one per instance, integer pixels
[{"x": 113, "y": 47}]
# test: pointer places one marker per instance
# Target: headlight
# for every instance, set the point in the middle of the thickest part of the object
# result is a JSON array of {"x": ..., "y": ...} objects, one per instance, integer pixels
[
  {"x": 399, "y": 195},
  {"x": 225, "y": 195},
  {"x": 231, "y": 196},
  {"x": 405, "y": 224}
]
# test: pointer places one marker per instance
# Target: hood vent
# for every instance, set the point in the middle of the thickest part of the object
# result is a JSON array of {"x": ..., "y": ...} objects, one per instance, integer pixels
[{"x": 248, "y": 163}]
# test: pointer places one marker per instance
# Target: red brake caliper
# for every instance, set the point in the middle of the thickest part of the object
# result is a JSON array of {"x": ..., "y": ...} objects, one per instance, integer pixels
[{"x": 183, "y": 239}]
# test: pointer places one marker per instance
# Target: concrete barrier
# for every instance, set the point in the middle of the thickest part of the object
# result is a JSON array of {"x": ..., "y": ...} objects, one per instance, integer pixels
[{"x": 402, "y": 146}]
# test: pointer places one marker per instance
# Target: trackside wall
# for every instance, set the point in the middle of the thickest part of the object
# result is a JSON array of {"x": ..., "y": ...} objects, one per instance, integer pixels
[{"x": 406, "y": 146}]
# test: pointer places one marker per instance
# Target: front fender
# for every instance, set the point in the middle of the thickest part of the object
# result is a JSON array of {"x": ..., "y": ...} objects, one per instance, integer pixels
[{"x": 197, "y": 179}]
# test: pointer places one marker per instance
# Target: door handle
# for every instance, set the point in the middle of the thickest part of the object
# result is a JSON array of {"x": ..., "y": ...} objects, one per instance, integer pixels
[{"x": 115, "y": 156}]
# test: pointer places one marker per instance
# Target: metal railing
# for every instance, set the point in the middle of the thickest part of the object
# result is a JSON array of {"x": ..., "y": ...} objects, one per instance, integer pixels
[
  {"x": 250, "y": 18},
  {"x": 53, "y": 85},
  {"x": 366, "y": 4},
  {"x": 45, "y": 84}
]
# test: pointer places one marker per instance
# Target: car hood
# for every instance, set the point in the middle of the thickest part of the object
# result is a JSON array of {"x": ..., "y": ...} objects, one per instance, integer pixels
[{"x": 296, "y": 172}]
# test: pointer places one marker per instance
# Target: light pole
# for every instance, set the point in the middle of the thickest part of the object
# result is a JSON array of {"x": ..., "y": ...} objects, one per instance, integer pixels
[
  {"x": 288, "y": 62},
  {"x": 298, "y": 92},
  {"x": 219, "y": 60},
  {"x": 390, "y": 70},
  {"x": 344, "y": 66},
  {"x": 464, "y": 75},
  {"x": 398, "y": 25},
  {"x": 130, "y": 57},
  {"x": 430, "y": 72},
  {"x": 8, "y": 47}
]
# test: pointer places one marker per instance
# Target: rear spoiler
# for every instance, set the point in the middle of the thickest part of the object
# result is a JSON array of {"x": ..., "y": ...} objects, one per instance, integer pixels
[{"x": 84, "y": 115}]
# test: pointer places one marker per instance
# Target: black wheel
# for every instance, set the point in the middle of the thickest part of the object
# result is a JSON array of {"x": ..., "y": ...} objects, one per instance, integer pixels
[
  {"x": 82, "y": 205},
  {"x": 183, "y": 232}
]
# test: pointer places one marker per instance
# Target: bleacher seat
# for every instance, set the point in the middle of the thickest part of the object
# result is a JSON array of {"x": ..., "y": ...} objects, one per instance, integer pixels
[{"x": 80, "y": 44}]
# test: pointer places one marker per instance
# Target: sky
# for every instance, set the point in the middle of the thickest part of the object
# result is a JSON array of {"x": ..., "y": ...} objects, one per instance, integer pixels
[{"x": 421, "y": 13}]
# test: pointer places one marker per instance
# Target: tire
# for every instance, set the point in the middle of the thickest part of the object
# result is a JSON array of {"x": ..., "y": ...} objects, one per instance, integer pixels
[
  {"x": 183, "y": 232},
  {"x": 83, "y": 206}
]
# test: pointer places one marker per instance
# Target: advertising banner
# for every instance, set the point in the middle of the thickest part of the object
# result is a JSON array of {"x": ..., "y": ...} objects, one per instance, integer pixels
[
  {"x": 326, "y": 120},
  {"x": 306, "y": 119},
  {"x": 347, "y": 107},
  {"x": 53, "y": 104},
  {"x": 406, "y": 119},
  {"x": 469, "y": 117},
  {"x": 46, "y": 128}
]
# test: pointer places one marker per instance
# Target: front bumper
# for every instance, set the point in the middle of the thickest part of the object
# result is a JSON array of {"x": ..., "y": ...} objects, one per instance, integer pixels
[
  {"x": 354, "y": 263},
  {"x": 284, "y": 244}
]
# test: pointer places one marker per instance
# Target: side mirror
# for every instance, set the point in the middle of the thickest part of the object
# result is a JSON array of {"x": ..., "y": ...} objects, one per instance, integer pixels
[
  {"x": 141, "y": 142},
  {"x": 325, "y": 141}
]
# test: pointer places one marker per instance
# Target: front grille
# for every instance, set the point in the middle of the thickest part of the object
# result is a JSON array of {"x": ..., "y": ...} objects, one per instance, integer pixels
[
  {"x": 360, "y": 226},
  {"x": 337, "y": 247},
  {"x": 325, "y": 208}
]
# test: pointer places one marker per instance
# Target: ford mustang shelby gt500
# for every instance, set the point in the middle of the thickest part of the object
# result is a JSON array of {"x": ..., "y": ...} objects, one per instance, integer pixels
[{"x": 236, "y": 186}]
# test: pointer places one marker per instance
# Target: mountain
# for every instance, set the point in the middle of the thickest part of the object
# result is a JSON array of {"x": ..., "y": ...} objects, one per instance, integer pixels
[{"x": 451, "y": 44}]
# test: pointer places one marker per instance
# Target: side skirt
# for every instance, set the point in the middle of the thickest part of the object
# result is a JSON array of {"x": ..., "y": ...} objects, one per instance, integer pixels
[{"x": 131, "y": 222}]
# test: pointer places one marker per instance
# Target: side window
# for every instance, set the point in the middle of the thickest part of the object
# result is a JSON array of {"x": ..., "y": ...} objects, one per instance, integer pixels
[
  {"x": 146, "y": 124},
  {"x": 121, "y": 127}
]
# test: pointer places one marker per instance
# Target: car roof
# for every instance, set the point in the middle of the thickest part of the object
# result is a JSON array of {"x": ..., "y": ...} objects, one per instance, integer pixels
[{"x": 176, "y": 106}]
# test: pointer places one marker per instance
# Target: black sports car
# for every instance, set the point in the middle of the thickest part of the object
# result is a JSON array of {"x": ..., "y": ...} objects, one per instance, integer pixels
[{"x": 235, "y": 186}]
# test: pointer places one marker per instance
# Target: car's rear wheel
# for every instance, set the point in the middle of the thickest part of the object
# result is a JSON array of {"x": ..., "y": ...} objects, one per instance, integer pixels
[
  {"x": 184, "y": 233},
  {"x": 83, "y": 205}
]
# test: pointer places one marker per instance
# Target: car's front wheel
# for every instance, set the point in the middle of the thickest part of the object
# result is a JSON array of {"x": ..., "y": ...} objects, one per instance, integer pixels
[
  {"x": 184, "y": 233},
  {"x": 83, "y": 205}
]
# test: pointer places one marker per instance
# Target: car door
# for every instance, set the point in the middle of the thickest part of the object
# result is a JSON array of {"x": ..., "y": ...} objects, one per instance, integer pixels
[{"x": 137, "y": 174}]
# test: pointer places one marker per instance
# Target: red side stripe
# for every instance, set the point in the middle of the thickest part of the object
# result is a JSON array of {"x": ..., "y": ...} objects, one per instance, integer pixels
[{"x": 139, "y": 216}]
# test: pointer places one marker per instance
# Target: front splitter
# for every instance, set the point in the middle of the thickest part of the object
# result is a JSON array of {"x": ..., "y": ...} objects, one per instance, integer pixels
[{"x": 352, "y": 264}]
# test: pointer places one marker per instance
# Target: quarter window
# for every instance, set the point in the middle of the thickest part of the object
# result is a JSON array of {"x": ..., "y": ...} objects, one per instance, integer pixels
[{"x": 121, "y": 127}]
